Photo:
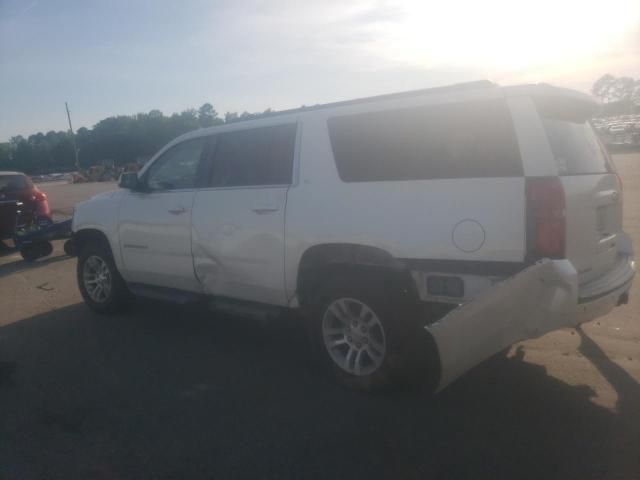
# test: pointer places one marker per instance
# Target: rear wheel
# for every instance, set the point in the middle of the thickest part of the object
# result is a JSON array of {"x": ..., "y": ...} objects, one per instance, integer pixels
[
  {"x": 361, "y": 332},
  {"x": 354, "y": 336},
  {"x": 99, "y": 281}
]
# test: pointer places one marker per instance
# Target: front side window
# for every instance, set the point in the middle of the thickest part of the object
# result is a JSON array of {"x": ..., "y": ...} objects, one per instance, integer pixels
[
  {"x": 177, "y": 168},
  {"x": 259, "y": 156}
]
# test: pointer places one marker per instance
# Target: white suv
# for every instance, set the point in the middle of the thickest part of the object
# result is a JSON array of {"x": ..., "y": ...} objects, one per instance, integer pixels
[{"x": 424, "y": 229}]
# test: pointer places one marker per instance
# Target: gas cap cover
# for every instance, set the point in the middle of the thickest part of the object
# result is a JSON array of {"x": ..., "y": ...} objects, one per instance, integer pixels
[{"x": 468, "y": 236}]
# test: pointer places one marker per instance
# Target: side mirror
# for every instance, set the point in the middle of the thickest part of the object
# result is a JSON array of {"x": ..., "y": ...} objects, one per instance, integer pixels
[{"x": 129, "y": 180}]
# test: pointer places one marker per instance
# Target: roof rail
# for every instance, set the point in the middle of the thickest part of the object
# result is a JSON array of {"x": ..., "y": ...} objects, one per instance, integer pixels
[{"x": 389, "y": 96}]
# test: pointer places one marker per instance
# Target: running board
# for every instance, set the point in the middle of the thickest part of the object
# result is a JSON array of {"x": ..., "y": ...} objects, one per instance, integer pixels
[
  {"x": 163, "y": 293},
  {"x": 229, "y": 306},
  {"x": 257, "y": 311}
]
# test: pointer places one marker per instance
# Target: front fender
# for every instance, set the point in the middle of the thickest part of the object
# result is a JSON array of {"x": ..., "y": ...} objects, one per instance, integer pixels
[{"x": 101, "y": 213}]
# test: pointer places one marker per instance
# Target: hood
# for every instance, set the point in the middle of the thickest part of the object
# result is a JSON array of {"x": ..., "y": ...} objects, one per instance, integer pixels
[{"x": 100, "y": 197}]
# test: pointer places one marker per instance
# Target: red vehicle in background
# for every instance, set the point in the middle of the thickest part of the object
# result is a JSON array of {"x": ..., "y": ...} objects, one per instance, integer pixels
[{"x": 17, "y": 187}]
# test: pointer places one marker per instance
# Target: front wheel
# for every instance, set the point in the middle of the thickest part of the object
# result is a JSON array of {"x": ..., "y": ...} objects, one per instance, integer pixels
[{"x": 99, "y": 281}]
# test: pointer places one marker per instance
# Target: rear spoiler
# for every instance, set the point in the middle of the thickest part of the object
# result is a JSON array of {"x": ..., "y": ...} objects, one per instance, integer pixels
[{"x": 557, "y": 102}]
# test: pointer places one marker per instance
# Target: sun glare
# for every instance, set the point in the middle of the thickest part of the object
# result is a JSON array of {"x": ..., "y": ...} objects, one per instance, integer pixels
[{"x": 505, "y": 34}]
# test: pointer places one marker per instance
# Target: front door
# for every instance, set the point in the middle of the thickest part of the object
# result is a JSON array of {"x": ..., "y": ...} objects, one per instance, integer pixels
[{"x": 155, "y": 222}]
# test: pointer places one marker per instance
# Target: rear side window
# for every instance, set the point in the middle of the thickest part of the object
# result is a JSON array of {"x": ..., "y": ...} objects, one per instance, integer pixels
[
  {"x": 465, "y": 140},
  {"x": 575, "y": 146},
  {"x": 259, "y": 156},
  {"x": 12, "y": 183}
]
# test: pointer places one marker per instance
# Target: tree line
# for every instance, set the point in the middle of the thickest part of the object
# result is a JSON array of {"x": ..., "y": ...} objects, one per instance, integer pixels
[
  {"x": 121, "y": 139},
  {"x": 126, "y": 139},
  {"x": 618, "y": 94}
]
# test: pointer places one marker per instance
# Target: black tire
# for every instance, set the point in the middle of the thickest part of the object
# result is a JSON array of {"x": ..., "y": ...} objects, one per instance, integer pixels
[
  {"x": 395, "y": 313},
  {"x": 36, "y": 250},
  {"x": 69, "y": 248},
  {"x": 119, "y": 297},
  {"x": 29, "y": 254}
]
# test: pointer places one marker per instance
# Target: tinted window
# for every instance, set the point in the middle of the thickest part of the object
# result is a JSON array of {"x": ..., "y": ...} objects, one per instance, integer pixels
[
  {"x": 575, "y": 147},
  {"x": 177, "y": 167},
  {"x": 442, "y": 141},
  {"x": 12, "y": 183},
  {"x": 260, "y": 156}
]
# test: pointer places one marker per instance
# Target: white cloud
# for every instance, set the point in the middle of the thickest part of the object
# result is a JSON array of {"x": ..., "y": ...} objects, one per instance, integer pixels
[{"x": 126, "y": 57}]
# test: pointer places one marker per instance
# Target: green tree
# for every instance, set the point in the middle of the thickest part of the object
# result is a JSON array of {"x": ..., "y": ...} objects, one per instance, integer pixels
[
  {"x": 230, "y": 117},
  {"x": 5, "y": 156},
  {"x": 616, "y": 89},
  {"x": 121, "y": 139},
  {"x": 207, "y": 116}
]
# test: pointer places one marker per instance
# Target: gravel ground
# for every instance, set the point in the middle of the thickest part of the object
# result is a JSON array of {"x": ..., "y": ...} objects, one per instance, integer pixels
[
  {"x": 63, "y": 195},
  {"x": 172, "y": 393}
]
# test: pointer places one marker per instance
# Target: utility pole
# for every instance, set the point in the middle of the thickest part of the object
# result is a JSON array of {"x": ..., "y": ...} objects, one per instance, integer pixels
[{"x": 73, "y": 136}]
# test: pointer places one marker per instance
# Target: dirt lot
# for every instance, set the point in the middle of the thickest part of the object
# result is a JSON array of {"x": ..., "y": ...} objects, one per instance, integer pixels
[
  {"x": 169, "y": 393},
  {"x": 63, "y": 196}
]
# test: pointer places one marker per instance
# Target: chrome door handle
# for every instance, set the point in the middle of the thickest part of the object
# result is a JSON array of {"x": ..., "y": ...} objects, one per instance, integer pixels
[
  {"x": 262, "y": 211},
  {"x": 178, "y": 211}
]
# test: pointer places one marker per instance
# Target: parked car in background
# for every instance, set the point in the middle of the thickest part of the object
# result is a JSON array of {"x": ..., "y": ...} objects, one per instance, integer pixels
[
  {"x": 618, "y": 131},
  {"x": 17, "y": 187},
  {"x": 448, "y": 222}
]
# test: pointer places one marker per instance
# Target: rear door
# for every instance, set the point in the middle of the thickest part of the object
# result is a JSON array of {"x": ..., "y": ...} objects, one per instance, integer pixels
[
  {"x": 238, "y": 221},
  {"x": 592, "y": 189}
]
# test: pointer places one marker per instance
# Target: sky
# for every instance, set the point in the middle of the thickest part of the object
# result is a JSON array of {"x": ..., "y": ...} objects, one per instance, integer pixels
[{"x": 121, "y": 57}]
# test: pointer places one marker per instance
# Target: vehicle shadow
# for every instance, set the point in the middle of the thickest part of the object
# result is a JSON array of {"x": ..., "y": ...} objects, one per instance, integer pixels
[
  {"x": 20, "y": 265},
  {"x": 627, "y": 421},
  {"x": 164, "y": 392},
  {"x": 6, "y": 248}
]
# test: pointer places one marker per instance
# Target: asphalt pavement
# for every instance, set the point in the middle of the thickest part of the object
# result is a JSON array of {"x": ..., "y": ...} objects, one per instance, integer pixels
[{"x": 167, "y": 392}]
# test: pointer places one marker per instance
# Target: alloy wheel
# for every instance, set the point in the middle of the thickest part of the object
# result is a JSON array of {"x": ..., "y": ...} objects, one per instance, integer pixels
[
  {"x": 353, "y": 336},
  {"x": 96, "y": 276}
]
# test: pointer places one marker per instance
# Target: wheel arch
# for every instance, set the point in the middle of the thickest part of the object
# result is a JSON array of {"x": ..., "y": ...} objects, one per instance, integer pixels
[
  {"x": 88, "y": 235},
  {"x": 320, "y": 260},
  {"x": 367, "y": 262}
]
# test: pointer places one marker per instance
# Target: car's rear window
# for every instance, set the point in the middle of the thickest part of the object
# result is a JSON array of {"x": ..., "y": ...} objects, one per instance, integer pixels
[
  {"x": 575, "y": 147},
  {"x": 462, "y": 140},
  {"x": 12, "y": 183}
]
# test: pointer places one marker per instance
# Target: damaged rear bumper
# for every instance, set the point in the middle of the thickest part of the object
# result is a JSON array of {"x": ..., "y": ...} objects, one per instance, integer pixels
[{"x": 543, "y": 297}]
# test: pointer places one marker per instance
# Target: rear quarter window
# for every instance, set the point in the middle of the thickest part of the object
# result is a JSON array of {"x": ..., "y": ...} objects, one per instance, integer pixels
[
  {"x": 464, "y": 140},
  {"x": 576, "y": 148},
  {"x": 574, "y": 144}
]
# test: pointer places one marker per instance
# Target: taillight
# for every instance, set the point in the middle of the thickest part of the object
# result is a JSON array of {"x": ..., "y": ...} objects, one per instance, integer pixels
[
  {"x": 42, "y": 204},
  {"x": 39, "y": 196},
  {"x": 546, "y": 222}
]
